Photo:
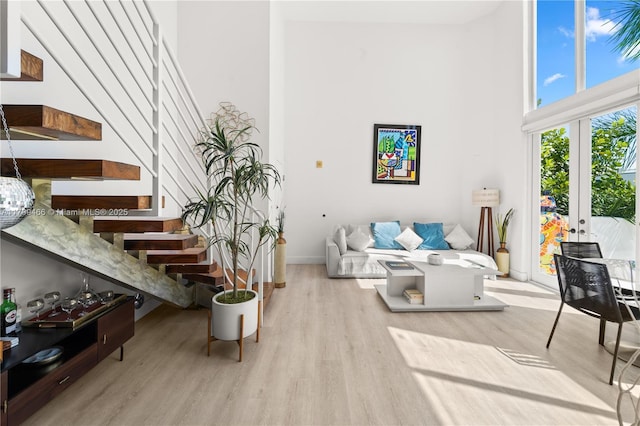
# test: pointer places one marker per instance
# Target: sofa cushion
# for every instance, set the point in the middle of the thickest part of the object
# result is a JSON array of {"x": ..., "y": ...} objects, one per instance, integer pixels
[
  {"x": 432, "y": 235},
  {"x": 340, "y": 238},
  {"x": 409, "y": 239},
  {"x": 384, "y": 234},
  {"x": 365, "y": 229},
  {"x": 458, "y": 239},
  {"x": 358, "y": 241}
]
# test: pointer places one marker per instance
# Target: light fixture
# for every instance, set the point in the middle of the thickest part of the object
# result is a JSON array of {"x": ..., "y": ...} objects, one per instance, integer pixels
[
  {"x": 485, "y": 199},
  {"x": 16, "y": 196}
]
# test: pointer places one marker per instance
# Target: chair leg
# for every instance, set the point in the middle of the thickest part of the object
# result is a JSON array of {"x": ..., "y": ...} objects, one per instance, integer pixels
[
  {"x": 555, "y": 324},
  {"x": 603, "y": 329},
  {"x": 615, "y": 354}
]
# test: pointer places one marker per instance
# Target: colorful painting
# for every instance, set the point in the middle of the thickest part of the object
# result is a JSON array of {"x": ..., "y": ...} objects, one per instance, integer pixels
[
  {"x": 396, "y": 154},
  {"x": 553, "y": 231}
]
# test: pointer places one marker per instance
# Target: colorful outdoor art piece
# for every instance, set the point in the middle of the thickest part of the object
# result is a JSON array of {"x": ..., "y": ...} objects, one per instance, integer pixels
[
  {"x": 553, "y": 231},
  {"x": 396, "y": 154}
]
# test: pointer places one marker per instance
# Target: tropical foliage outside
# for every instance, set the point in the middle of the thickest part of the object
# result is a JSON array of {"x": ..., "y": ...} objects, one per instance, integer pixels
[{"x": 612, "y": 148}]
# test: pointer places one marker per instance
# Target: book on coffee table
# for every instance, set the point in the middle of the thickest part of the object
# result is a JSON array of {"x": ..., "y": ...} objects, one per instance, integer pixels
[
  {"x": 398, "y": 265},
  {"x": 413, "y": 295}
]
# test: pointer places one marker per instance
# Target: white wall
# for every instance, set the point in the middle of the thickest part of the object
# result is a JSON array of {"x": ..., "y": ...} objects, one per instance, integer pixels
[
  {"x": 224, "y": 51},
  {"x": 461, "y": 83}
]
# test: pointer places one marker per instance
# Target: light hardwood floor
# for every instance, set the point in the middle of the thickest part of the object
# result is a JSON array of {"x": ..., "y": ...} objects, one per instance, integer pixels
[{"x": 331, "y": 353}]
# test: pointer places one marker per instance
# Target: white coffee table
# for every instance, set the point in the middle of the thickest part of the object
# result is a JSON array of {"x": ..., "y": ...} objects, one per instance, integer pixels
[{"x": 447, "y": 287}]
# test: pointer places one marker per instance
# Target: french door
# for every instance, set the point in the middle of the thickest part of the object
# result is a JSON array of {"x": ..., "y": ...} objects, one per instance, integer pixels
[{"x": 585, "y": 188}]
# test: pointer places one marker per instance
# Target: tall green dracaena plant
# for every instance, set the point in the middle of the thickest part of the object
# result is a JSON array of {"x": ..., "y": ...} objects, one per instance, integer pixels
[{"x": 237, "y": 177}]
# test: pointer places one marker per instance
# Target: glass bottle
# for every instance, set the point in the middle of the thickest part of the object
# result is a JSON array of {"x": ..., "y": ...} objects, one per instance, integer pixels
[
  {"x": 8, "y": 312},
  {"x": 86, "y": 296}
]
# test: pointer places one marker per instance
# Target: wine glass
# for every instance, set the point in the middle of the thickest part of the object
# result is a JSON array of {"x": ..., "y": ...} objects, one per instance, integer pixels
[
  {"x": 68, "y": 305},
  {"x": 51, "y": 298},
  {"x": 35, "y": 306}
]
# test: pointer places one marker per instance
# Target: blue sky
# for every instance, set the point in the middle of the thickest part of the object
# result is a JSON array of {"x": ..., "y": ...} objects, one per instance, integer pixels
[{"x": 556, "y": 51}]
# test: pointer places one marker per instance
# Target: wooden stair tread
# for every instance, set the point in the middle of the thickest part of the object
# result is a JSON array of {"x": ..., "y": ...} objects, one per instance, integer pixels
[
  {"x": 159, "y": 241},
  {"x": 64, "y": 169},
  {"x": 188, "y": 255},
  {"x": 194, "y": 268},
  {"x": 93, "y": 202},
  {"x": 41, "y": 122},
  {"x": 31, "y": 68},
  {"x": 136, "y": 224},
  {"x": 213, "y": 278}
]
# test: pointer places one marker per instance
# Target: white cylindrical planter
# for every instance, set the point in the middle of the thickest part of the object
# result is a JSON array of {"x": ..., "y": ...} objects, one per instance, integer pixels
[
  {"x": 225, "y": 318},
  {"x": 280, "y": 262}
]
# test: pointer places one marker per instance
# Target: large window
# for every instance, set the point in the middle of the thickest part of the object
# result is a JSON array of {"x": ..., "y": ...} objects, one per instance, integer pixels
[
  {"x": 569, "y": 60},
  {"x": 555, "y": 51},
  {"x": 583, "y": 129}
]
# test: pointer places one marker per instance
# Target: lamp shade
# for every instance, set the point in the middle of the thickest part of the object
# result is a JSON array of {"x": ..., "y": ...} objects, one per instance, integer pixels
[{"x": 486, "y": 197}]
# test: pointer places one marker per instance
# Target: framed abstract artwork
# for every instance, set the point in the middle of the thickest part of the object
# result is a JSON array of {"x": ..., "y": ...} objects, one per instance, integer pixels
[{"x": 396, "y": 154}]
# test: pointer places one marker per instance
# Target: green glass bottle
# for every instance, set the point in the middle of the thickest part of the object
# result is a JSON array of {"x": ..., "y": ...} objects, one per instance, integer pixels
[{"x": 8, "y": 312}]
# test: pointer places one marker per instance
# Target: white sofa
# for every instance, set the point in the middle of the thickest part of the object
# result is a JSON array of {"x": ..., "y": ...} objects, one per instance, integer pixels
[{"x": 362, "y": 262}]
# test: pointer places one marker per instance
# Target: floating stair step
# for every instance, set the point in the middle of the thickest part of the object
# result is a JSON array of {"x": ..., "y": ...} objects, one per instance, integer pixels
[
  {"x": 211, "y": 278},
  {"x": 41, "y": 122},
  {"x": 31, "y": 68},
  {"x": 195, "y": 268},
  {"x": 159, "y": 241},
  {"x": 91, "y": 202},
  {"x": 137, "y": 224},
  {"x": 189, "y": 255},
  {"x": 61, "y": 169}
]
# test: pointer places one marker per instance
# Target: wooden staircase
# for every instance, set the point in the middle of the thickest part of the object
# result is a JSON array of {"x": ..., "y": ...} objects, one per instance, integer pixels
[{"x": 145, "y": 253}]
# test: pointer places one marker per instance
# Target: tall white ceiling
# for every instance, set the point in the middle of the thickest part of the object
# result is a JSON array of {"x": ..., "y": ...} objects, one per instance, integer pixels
[{"x": 410, "y": 11}]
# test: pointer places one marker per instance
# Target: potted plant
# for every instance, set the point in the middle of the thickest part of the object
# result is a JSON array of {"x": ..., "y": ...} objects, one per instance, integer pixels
[
  {"x": 502, "y": 254},
  {"x": 237, "y": 180}
]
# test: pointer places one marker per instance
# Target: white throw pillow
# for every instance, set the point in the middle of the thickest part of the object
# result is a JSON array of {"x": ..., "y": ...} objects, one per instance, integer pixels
[
  {"x": 340, "y": 238},
  {"x": 458, "y": 239},
  {"x": 409, "y": 239},
  {"x": 358, "y": 241},
  {"x": 365, "y": 229}
]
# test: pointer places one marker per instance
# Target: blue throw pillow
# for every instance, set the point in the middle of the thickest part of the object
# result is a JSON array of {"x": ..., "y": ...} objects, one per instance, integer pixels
[
  {"x": 432, "y": 235},
  {"x": 384, "y": 234}
]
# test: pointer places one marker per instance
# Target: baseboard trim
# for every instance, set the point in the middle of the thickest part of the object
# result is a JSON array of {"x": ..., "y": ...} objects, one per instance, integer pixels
[
  {"x": 518, "y": 275},
  {"x": 306, "y": 260}
]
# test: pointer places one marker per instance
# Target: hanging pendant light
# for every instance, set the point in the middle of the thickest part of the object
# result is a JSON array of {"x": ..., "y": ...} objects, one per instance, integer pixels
[{"x": 16, "y": 196}]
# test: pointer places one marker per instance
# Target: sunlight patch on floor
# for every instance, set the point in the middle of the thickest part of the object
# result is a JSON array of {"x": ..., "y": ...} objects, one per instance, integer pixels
[
  {"x": 499, "y": 386},
  {"x": 524, "y": 295},
  {"x": 368, "y": 283}
]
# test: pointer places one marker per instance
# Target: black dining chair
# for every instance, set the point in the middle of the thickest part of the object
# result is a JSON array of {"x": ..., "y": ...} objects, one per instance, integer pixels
[
  {"x": 586, "y": 286},
  {"x": 581, "y": 249}
]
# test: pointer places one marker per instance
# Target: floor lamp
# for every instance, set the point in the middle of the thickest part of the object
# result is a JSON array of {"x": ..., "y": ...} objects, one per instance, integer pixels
[{"x": 486, "y": 199}]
